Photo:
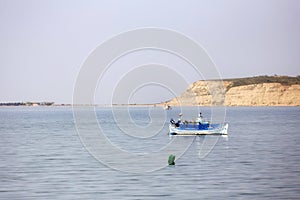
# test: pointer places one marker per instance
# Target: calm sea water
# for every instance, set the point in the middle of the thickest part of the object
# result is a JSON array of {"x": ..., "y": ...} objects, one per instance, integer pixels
[{"x": 42, "y": 157}]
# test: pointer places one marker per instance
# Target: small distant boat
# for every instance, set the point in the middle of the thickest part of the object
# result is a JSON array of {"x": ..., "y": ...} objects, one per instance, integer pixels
[
  {"x": 167, "y": 107},
  {"x": 198, "y": 127}
]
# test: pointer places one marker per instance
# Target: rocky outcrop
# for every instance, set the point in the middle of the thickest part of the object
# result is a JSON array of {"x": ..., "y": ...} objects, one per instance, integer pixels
[{"x": 255, "y": 91}]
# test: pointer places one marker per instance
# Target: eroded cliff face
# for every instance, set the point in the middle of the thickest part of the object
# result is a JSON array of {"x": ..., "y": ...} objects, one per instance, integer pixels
[
  {"x": 264, "y": 94},
  {"x": 207, "y": 93}
]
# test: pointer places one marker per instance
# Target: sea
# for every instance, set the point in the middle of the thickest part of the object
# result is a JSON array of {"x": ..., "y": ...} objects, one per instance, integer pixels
[{"x": 48, "y": 153}]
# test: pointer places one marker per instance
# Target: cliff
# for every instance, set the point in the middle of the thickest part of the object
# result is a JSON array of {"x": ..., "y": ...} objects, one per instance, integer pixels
[{"x": 254, "y": 91}]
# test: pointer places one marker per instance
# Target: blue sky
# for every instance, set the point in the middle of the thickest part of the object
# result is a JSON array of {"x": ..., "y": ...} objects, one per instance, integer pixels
[{"x": 44, "y": 43}]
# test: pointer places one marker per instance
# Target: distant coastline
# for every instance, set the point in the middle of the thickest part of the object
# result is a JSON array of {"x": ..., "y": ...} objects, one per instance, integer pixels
[
  {"x": 53, "y": 104},
  {"x": 250, "y": 91},
  {"x": 27, "y": 103}
]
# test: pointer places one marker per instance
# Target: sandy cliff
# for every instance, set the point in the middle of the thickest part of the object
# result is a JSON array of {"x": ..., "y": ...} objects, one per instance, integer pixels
[{"x": 255, "y": 91}]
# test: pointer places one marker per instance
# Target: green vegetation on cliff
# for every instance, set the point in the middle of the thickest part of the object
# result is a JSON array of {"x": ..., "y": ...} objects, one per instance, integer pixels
[{"x": 283, "y": 80}]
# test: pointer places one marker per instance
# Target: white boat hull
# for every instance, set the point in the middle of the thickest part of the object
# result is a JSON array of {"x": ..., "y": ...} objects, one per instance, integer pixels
[{"x": 220, "y": 129}]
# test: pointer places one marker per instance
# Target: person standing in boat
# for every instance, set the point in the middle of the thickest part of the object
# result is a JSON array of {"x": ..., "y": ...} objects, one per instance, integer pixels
[
  {"x": 179, "y": 120},
  {"x": 199, "y": 118}
]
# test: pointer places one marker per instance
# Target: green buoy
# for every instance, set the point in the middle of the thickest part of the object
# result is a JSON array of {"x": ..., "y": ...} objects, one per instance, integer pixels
[{"x": 171, "y": 159}]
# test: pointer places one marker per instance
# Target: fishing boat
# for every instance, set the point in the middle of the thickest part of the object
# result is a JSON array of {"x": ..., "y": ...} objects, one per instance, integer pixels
[
  {"x": 197, "y": 127},
  {"x": 167, "y": 107}
]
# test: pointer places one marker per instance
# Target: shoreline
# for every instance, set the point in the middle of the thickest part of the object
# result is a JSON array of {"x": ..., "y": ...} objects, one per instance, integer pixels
[{"x": 140, "y": 105}]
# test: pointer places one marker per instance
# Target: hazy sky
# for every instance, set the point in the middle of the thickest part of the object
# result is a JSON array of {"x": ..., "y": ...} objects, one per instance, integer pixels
[{"x": 44, "y": 43}]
